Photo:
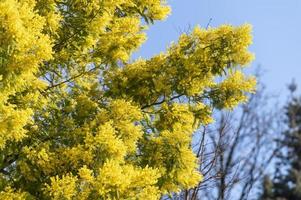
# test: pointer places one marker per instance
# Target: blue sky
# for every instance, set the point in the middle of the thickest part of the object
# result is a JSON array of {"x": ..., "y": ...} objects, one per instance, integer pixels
[{"x": 276, "y": 33}]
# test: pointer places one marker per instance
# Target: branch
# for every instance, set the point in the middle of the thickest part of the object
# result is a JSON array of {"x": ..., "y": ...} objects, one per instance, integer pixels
[
  {"x": 70, "y": 79},
  {"x": 160, "y": 102}
]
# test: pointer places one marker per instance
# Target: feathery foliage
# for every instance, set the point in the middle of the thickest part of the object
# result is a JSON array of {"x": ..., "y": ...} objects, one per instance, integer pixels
[{"x": 79, "y": 120}]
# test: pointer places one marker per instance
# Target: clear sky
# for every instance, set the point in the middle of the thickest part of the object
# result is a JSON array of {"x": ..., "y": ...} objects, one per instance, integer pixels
[{"x": 276, "y": 33}]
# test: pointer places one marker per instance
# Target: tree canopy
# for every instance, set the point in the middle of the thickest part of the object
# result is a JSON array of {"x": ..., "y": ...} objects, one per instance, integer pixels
[
  {"x": 285, "y": 182},
  {"x": 80, "y": 120}
]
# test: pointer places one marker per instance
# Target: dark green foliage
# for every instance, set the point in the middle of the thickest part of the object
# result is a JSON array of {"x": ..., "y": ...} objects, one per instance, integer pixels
[{"x": 286, "y": 183}]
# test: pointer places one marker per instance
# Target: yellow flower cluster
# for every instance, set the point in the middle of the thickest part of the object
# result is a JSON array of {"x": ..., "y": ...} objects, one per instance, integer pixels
[
  {"x": 169, "y": 151},
  {"x": 190, "y": 67},
  {"x": 79, "y": 121},
  {"x": 117, "y": 181},
  {"x": 231, "y": 91},
  {"x": 114, "y": 181},
  {"x": 62, "y": 188},
  {"x": 9, "y": 194},
  {"x": 23, "y": 46}
]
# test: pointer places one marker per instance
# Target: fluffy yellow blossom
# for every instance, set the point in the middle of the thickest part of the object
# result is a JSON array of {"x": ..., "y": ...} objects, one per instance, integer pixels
[
  {"x": 79, "y": 120},
  {"x": 85, "y": 174},
  {"x": 117, "y": 181},
  {"x": 23, "y": 46},
  {"x": 107, "y": 142},
  {"x": 9, "y": 194},
  {"x": 230, "y": 92},
  {"x": 62, "y": 188}
]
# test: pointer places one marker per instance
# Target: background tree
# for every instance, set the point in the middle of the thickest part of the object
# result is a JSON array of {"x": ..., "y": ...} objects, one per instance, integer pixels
[
  {"x": 235, "y": 152},
  {"x": 286, "y": 180},
  {"x": 78, "y": 120}
]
